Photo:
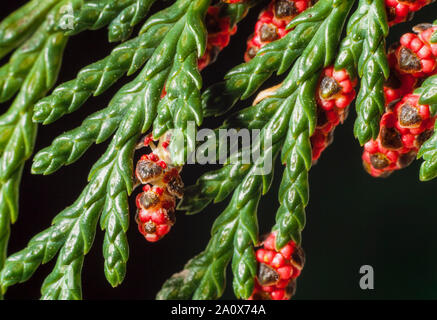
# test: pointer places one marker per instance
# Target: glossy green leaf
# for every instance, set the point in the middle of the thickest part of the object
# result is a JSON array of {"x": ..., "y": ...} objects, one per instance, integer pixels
[
  {"x": 20, "y": 24},
  {"x": 428, "y": 93},
  {"x": 182, "y": 104},
  {"x": 93, "y": 14},
  {"x": 363, "y": 52},
  {"x": 122, "y": 26}
]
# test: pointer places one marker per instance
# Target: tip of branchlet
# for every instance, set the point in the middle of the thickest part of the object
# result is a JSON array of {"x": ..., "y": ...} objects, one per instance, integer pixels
[{"x": 41, "y": 111}]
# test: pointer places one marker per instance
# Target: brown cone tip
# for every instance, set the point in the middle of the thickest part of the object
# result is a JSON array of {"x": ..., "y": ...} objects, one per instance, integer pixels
[
  {"x": 148, "y": 199},
  {"x": 409, "y": 116},
  {"x": 285, "y": 9},
  {"x": 176, "y": 187},
  {"x": 146, "y": 171},
  {"x": 379, "y": 161},
  {"x": 408, "y": 61},
  {"x": 329, "y": 87},
  {"x": 298, "y": 257},
  {"x": 267, "y": 276},
  {"x": 290, "y": 290},
  {"x": 425, "y": 135},
  {"x": 406, "y": 159},
  {"x": 268, "y": 33},
  {"x": 390, "y": 138},
  {"x": 422, "y": 27}
]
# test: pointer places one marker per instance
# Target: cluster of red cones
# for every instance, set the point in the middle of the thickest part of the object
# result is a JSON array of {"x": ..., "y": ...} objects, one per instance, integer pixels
[
  {"x": 272, "y": 23},
  {"x": 406, "y": 124},
  {"x": 277, "y": 270},
  {"x": 219, "y": 34},
  {"x": 403, "y": 10},
  {"x": 334, "y": 94},
  {"x": 162, "y": 185}
]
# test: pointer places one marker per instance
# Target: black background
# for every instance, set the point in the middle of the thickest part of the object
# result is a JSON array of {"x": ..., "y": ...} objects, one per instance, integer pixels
[{"x": 352, "y": 219}]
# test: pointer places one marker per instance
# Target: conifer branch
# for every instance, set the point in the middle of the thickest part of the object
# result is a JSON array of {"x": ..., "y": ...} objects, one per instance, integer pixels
[
  {"x": 363, "y": 49},
  {"x": 17, "y": 143},
  {"x": 203, "y": 276},
  {"x": 434, "y": 36},
  {"x": 138, "y": 101},
  {"x": 122, "y": 26},
  {"x": 234, "y": 234},
  {"x": 9, "y": 191},
  {"x": 370, "y": 102},
  {"x": 96, "y": 78},
  {"x": 73, "y": 229},
  {"x": 182, "y": 103},
  {"x": 297, "y": 156},
  {"x": 14, "y": 73},
  {"x": 96, "y": 128},
  {"x": 19, "y": 132},
  {"x": 243, "y": 80},
  {"x": 217, "y": 185},
  {"x": 96, "y": 14},
  {"x": 34, "y": 69},
  {"x": 20, "y": 24},
  {"x": 296, "y": 152},
  {"x": 235, "y": 230},
  {"x": 428, "y": 93}
]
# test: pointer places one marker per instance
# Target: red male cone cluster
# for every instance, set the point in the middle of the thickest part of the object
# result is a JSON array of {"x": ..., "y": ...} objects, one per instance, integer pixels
[
  {"x": 272, "y": 23},
  {"x": 162, "y": 186},
  {"x": 415, "y": 55},
  {"x": 277, "y": 270},
  {"x": 403, "y": 10},
  {"x": 406, "y": 124},
  {"x": 334, "y": 94},
  {"x": 219, "y": 34}
]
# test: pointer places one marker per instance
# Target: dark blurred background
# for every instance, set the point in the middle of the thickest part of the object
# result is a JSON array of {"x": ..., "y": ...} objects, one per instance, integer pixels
[{"x": 352, "y": 218}]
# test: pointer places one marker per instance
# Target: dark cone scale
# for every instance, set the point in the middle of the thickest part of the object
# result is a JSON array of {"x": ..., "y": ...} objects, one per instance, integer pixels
[
  {"x": 162, "y": 186},
  {"x": 409, "y": 116},
  {"x": 329, "y": 87},
  {"x": 267, "y": 276},
  {"x": 285, "y": 9},
  {"x": 408, "y": 61},
  {"x": 390, "y": 138},
  {"x": 147, "y": 171},
  {"x": 379, "y": 161},
  {"x": 176, "y": 186}
]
